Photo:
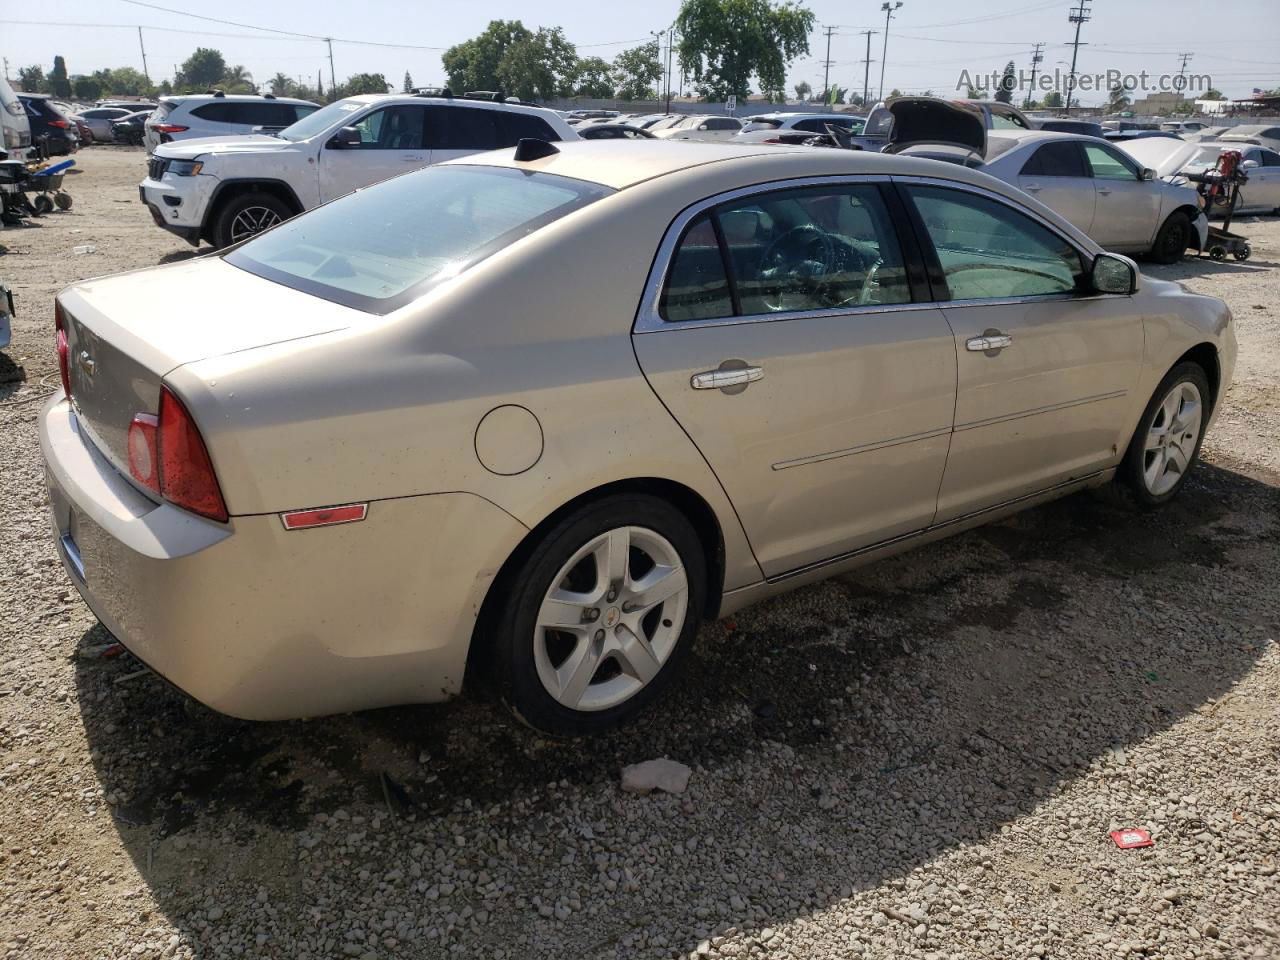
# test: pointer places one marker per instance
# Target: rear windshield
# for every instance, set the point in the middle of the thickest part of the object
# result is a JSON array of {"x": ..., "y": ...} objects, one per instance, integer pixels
[
  {"x": 761, "y": 123},
  {"x": 379, "y": 248}
]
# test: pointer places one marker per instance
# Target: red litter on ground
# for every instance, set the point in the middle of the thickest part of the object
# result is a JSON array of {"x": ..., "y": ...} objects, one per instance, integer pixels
[{"x": 1128, "y": 839}]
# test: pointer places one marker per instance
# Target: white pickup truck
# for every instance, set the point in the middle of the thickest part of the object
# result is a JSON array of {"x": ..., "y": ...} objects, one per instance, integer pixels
[{"x": 225, "y": 189}]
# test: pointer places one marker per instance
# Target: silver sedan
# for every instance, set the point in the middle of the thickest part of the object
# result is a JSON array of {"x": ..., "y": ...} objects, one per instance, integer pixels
[{"x": 377, "y": 450}]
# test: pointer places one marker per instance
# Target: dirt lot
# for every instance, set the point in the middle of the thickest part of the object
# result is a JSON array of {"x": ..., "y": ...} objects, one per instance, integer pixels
[{"x": 920, "y": 760}]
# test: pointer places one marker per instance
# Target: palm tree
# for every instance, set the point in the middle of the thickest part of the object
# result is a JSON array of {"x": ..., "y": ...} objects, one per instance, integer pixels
[
  {"x": 281, "y": 85},
  {"x": 238, "y": 80}
]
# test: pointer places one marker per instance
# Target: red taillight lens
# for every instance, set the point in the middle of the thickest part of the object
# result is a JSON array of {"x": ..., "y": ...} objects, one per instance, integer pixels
[
  {"x": 168, "y": 128},
  {"x": 60, "y": 124},
  {"x": 144, "y": 462},
  {"x": 64, "y": 368},
  {"x": 187, "y": 479}
]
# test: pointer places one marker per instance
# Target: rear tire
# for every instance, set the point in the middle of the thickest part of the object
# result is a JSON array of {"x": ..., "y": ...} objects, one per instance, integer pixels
[
  {"x": 1173, "y": 238},
  {"x": 1166, "y": 444},
  {"x": 597, "y": 573},
  {"x": 247, "y": 215}
]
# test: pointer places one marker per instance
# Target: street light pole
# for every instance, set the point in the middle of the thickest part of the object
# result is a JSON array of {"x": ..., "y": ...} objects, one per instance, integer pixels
[{"x": 888, "y": 9}]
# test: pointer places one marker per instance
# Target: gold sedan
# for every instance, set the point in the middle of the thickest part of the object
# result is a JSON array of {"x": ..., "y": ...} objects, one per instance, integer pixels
[{"x": 537, "y": 414}]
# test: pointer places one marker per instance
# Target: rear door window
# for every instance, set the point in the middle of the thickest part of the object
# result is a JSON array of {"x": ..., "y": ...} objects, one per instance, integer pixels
[
  {"x": 697, "y": 285},
  {"x": 1056, "y": 160},
  {"x": 513, "y": 127}
]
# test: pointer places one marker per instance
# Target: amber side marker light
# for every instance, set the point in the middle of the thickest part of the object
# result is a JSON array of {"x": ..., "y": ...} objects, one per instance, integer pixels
[{"x": 324, "y": 516}]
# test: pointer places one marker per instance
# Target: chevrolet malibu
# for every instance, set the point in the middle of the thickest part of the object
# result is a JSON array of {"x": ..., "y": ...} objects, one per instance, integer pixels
[{"x": 377, "y": 450}]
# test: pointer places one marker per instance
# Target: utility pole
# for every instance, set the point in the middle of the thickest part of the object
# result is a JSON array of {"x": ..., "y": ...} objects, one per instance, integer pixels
[
  {"x": 1037, "y": 57},
  {"x": 826, "y": 70},
  {"x": 889, "y": 9},
  {"x": 1079, "y": 15},
  {"x": 1181, "y": 84},
  {"x": 866, "y": 70},
  {"x": 6, "y": 69},
  {"x": 333, "y": 81},
  {"x": 671, "y": 35},
  {"x": 144, "y": 56}
]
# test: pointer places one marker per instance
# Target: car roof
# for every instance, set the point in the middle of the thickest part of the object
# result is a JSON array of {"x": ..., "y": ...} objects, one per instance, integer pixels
[
  {"x": 625, "y": 163},
  {"x": 453, "y": 101}
]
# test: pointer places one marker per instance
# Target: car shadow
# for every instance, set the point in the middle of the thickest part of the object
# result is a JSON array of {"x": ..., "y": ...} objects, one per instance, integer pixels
[
  {"x": 1206, "y": 267},
  {"x": 1000, "y": 625}
]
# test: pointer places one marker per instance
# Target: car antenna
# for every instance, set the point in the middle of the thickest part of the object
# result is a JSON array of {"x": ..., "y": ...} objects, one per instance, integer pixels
[{"x": 531, "y": 148}]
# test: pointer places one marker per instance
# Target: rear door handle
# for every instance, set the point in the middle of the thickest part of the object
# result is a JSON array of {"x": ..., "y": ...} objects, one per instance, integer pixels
[
  {"x": 988, "y": 341},
  {"x": 1105, "y": 193},
  {"x": 719, "y": 379},
  {"x": 1032, "y": 188}
]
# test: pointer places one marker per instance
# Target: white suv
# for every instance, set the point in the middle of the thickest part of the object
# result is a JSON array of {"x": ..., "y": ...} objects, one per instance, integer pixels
[
  {"x": 227, "y": 189},
  {"x": 221, "y": 115}
]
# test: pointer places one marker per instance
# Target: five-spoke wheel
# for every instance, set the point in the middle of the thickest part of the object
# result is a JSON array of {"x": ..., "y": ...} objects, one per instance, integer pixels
[
  {"x": 598, "y": 614},
  {"x": 1167, "y": 442}
]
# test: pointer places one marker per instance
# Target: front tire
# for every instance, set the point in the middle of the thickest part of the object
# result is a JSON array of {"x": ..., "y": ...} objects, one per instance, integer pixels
[
  {"x": 1167, "y": 442},
  {"x": 247, "y": 215},
  {"x": 600, "y": 615},
  {"x": 1173, "y": 238}
]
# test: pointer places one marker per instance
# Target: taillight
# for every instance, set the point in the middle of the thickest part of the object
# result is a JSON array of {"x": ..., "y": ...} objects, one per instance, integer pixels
[
  {"x": 186, "y": 476},
  {"x": 60, "y": 124},
  {"x": 64, "y": 368},
  {"x": 168, "y": 457},
  {"x": 771, "y": 140},
  {"x": 144, "y": 463},
  {"x": 168, "y": 128}
]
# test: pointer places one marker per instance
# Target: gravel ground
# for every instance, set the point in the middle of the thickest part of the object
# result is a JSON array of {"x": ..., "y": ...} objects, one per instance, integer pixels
[{"x": 922, "y": 759}]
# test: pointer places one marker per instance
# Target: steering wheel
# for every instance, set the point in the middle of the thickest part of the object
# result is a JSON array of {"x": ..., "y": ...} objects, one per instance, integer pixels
[{"x": 802, "y": 256}]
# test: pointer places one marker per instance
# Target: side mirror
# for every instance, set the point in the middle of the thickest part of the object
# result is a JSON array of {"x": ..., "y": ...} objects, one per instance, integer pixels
[
  {"x": 345, "y": 138},
  {"x": 1148, "y": 174},
  {"x": 1113, "y": 273},
  {"x": 1249, "y": 165}
]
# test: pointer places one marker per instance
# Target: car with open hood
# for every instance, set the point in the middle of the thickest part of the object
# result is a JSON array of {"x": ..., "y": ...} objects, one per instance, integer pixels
[
  {"x": 379, "y": 451},
  {"x": 1095, "y": 185},
  {"x": 1172, "y": 162}
]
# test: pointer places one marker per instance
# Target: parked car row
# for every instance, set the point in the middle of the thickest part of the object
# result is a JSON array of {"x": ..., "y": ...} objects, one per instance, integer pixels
[{"x": 378, "y": 451}]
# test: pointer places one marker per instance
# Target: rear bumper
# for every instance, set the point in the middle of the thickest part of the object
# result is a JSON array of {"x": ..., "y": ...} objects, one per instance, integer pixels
[{"x": 267, "y": 624}]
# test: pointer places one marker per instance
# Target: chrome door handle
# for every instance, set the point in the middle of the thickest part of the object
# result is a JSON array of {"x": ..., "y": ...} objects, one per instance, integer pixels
[
  {"x": 719, "y": 379},
  {"x": 1105, "y": 193},
  {"x": 988, "y": 341}
]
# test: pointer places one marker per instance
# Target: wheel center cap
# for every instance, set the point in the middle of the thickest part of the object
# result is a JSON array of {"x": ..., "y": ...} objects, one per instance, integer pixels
[{"x": 611, "y": 616}]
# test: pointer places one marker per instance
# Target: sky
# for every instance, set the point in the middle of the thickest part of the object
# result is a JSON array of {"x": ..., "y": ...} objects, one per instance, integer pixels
[{"x": 930, "y": 42}]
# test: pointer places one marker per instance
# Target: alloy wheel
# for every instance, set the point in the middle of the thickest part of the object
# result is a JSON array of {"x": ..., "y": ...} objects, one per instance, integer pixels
[
  {"x": 252, "y": 220},
  {"x": 1172, "y": 438},
  {"x": 611, "y": 619}
]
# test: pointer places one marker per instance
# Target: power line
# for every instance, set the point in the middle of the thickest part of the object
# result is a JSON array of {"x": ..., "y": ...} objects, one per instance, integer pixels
[
  {"x": 866, "y": 69},
  {"x": 230, "y": 23},
  {"x": 1181, "y": 83}
]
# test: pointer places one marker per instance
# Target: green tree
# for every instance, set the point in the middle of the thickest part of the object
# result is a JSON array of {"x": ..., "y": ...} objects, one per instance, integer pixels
[
  {"x": 408, "y": 83},
  {"x": 1118, "y": 99},
  {"x": 637, "y": 71},
  {"x": 1213, "y": 94},
  {"x": 359, "y": 83},
  {"x": 1053, "y": 100},
  {"x": 723, "y": 43},
  {"x": 86, "y": 88},
  {"x": 594, "y": 79},
  {"x": 238, "y": 80},
  {"x": 473, "y": 64},
  {"x": 1008, "y": 83},
  {"x": 803, "y": 91},
  {"x": 895, "y": 92},
  {"x": 31, "y": 79},
  {"x": 59, "y": 84},
  {"x": 203, "y": 69},
  {"x": 124, "y": 81},
  {"x": 539, "y": 67},
  {"x": 165, "y": 88},
  {"x": 281, "y": 86}
]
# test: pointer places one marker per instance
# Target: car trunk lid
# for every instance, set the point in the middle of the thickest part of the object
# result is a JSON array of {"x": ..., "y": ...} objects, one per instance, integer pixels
[
  {"x": 126, "y": 333},
  {"x": 930, "y": 120}
]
